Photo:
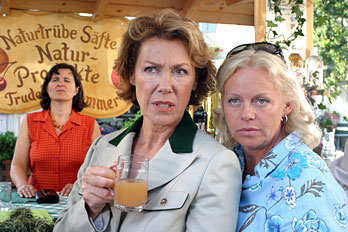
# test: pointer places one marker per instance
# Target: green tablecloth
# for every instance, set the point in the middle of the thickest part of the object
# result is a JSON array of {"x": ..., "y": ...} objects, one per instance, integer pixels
[
  {"x": 30, "y": 203},
  {"x": 17, "y": 199}
]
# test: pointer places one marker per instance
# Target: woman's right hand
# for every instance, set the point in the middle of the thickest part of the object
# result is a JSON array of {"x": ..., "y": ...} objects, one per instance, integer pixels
[
  {"x": 96, "y": 183},
  {"x": 26, "y": 190}
]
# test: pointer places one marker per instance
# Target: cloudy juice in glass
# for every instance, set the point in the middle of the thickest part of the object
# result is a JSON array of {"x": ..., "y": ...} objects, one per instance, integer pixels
[{"x": 130, "y": 190}]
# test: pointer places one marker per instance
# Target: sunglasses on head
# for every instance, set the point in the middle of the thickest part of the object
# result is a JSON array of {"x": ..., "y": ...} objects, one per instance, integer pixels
[{"x": 259, "y": 46}]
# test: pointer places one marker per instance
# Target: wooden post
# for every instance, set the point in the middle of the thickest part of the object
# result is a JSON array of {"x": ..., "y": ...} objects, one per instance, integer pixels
[
  {"x": 189, "y": 8},
  {"x": 99, "y": 8},
  {"x": 260, "y": 20},
  {"x": 5, "y": 7},
  {"x": 309, "y": 33}
]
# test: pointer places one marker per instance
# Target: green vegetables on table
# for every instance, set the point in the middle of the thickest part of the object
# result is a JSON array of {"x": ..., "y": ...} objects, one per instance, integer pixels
[{"x": 23, "y": 220}]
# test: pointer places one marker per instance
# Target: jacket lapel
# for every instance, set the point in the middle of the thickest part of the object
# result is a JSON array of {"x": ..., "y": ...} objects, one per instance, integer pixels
[
  {"x": 166, "y": 165},
  {"x": 125, "y": 145}
]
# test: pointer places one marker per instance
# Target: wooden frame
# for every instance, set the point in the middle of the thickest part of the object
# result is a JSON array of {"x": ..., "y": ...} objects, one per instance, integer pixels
[{"x": 240, "y": 12}]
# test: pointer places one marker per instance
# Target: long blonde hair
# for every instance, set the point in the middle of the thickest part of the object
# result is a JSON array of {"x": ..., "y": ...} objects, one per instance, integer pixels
[{"x": 301, "y": 117}]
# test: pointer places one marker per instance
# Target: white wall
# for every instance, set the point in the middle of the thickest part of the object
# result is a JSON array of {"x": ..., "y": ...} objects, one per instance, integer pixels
[
  {"x": 229, "y": 36},
  {"x": 340, "y": 104},
  {"x": 11, "y": 122}
]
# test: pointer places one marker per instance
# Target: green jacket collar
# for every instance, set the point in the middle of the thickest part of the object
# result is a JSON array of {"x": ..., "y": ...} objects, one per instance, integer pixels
[{"x": 180, "y": 141}]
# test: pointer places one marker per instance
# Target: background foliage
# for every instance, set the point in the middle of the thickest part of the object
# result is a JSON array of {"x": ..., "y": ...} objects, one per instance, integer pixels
[
  {"x": 131, "y": 120},
  {"x": 277, "y": 6},
  {"x": 331, "y": 36},
  {"x": 7, "y": 145}
]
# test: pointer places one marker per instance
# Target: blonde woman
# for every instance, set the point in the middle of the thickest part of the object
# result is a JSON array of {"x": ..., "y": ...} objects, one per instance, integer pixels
[{"x": 267, "y": 121}]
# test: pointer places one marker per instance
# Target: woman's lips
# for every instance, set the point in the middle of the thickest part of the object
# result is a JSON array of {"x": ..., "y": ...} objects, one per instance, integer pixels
[
  {"x": 248, "y": 131},
  {"x": 163, "y": 106}
]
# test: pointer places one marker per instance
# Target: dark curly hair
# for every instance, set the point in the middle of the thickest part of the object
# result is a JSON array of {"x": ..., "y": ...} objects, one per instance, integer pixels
[
  {"x": 78, "y": 100},
  {"x": 170, "y": 25}
]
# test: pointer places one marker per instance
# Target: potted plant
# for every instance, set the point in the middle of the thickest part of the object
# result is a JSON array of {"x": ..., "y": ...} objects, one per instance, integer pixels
[
  {"x": 216, "y": 51},
  {"x": 328, "y": 120},
  {"x": 7, "y": 145},
  {"x": 106, "y": 128}
]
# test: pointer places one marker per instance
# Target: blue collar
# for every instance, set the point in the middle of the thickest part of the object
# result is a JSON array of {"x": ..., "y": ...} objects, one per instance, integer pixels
[{"x": 273, "y": 158}]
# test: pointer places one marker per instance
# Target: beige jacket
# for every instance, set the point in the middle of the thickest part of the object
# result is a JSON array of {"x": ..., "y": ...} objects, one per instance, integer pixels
[{"x": 201, "y": 188}]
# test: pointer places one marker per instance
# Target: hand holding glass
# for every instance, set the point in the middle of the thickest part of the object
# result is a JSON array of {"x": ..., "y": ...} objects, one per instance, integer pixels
[{"x": 130, "y": 190}]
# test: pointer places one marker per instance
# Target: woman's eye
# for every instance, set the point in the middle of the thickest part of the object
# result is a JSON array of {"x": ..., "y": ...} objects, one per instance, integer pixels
[
  {"x": 261, "y": 101},
  {"x": 181, "y": 71},
  {"x": 150, "y": 69},
  {"x": 233, "y": 101},
  {"x": 67, "y": 80},
  {"x": 54, "y": 79}
]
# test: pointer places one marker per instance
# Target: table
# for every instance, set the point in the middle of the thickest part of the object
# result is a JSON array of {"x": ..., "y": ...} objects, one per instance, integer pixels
[{"x": 30, "y": 203}]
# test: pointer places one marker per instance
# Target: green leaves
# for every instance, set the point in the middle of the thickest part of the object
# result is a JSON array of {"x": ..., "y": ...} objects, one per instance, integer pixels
[
  {"x": 321, "y": 20},
  {"x": 278, "y": 7},
  {"x": 22, "y": 219},
  {"x": 129, "y": 122},
  {"x": 7, "y": 145},
  {"x": 279, "y": 19},
  {"x": 271, "y": 23},
  {"x": 297, "y": 11},
  {"x": 345, "y": 119},
  {"x": 331, "y": 36},
  {"x": 322, "y": 106}
]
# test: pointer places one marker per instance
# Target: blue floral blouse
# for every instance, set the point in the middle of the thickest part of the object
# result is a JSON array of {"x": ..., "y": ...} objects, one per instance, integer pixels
[{"x": 292, "y": 190}]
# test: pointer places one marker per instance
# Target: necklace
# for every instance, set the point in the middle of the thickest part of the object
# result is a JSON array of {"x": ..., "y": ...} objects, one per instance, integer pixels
[{"x": 55, "y": 124}]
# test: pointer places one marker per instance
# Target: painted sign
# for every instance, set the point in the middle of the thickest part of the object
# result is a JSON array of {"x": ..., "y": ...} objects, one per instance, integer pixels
[{"x": 32, "y": 42}]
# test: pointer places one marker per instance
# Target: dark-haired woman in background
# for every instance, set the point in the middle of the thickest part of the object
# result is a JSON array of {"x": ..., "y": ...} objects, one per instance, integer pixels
[{"x": 53, "y": 142}]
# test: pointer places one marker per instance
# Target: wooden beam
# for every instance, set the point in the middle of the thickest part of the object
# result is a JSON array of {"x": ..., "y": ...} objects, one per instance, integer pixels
[
  {"x": 128, "y": 10},
  {"x": 260, "y": 20},
  {"x": 230, "y": 2},
  {"x": 188, "y": 9},
  {"x": 5, "y": 7},
  {"x": 238, "y": 17},
  {"x": 235, "y": 3},
  {"x": 224, "y": 17},
  {"x": 99, "y": 9},
  {"x": 309, "y": 33},
  {"x": 55, "y": 6},
  {"x": 209, "y": 2}
]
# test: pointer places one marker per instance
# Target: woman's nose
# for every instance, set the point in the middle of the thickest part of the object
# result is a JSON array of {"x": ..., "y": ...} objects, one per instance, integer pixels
[
  {"x": 248, "y": 112},
  {"x": 165, "y": 84},
  {"x": 61, "y": 81}
]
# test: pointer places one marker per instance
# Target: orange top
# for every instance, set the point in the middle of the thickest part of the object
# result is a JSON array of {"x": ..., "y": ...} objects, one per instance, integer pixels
[{"x": 56, "y": 159}]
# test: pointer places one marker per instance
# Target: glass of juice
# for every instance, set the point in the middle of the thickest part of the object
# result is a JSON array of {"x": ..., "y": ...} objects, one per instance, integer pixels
[{"x": 130, "y": 190}]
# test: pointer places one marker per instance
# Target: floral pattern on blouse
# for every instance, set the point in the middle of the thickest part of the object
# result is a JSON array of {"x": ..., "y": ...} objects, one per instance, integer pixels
[{"x": 292, "y": 190}]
